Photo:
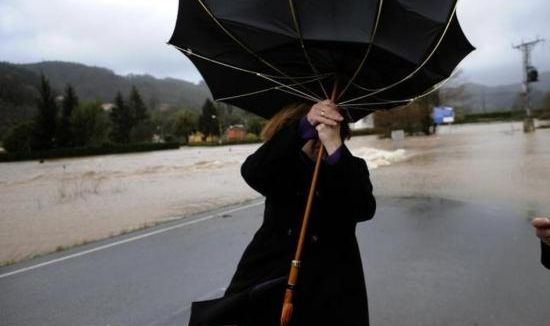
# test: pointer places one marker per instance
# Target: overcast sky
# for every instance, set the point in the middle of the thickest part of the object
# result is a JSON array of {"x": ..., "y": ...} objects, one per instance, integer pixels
[{"x": 129, "y": 36}]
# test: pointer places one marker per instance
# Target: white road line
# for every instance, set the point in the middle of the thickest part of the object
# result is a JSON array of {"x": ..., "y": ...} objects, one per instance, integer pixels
[{"x": 116, "y": 243}]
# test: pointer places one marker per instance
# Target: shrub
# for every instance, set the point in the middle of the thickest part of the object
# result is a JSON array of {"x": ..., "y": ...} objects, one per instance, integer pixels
[
  {"x": 87, "y": 151},
  {"x": 18, "y": 138},
  {"x": 251, "y": 137}
]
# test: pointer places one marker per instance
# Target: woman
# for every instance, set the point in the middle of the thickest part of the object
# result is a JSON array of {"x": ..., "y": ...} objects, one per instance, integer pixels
[{"x": 331, "y": 288}]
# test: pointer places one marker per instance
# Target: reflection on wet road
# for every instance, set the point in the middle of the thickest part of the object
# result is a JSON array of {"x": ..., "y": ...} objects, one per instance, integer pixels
[{"x": 432, "y": 261}]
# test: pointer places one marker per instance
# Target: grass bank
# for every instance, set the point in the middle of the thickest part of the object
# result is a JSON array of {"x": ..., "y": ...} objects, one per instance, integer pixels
[{"x": 86, "y": 151}]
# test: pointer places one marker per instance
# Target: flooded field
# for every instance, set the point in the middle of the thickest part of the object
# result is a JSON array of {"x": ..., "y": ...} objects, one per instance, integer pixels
[
  {"x": 69, "y": 201},
  {"x": 491, "y": 164}
]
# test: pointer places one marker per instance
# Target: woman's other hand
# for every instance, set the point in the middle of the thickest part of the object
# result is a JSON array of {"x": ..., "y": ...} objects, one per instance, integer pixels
[
  {"x": 326, "y": 119},
  {"x": 329, "y": 136},
  {"x": 324, "y": 112},
  {"x": 542, "y": 226}
]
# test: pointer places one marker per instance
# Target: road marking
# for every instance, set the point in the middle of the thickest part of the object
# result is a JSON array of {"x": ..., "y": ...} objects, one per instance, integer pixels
[{"x": 137, "y": 237}]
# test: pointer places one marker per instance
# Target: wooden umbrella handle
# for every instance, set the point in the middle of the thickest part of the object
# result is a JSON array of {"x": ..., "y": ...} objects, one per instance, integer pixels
[{"x": 288, "y": 307}]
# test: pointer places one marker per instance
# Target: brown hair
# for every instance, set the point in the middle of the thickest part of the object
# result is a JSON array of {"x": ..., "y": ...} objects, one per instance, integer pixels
[
  {"x": 287, "y": 114},
  {"x": 293, "y": 112}
]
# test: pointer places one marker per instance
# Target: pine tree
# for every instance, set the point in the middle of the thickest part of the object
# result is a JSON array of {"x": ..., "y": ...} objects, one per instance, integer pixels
[
  {"x": 142, "y": 126},
  {"x": 122, "y": 121},
  {"x": 208, "y": 120},
  {"x": 137, "y": 106},
  {"x": 45, "y": 122},
  {"x": 65, "y": 131}
]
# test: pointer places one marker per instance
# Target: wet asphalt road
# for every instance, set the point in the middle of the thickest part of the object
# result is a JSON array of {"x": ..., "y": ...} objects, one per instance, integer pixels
[{"x": 427, "y": 262}]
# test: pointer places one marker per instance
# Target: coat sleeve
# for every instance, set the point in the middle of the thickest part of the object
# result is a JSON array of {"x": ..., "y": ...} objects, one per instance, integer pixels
[
  {"x": 348, "y": 183},
  {"x": 267, "y": 170},
  {"x": 545, "y": 254}
]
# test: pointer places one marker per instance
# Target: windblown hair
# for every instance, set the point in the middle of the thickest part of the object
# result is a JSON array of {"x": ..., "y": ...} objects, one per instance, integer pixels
[
  {"x": 291, "y": 113},
  {"x": 287, "y": 114}
]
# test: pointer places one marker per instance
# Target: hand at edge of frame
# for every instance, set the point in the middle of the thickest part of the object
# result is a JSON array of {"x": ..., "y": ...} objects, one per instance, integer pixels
[{"x": 542, "y": 227}]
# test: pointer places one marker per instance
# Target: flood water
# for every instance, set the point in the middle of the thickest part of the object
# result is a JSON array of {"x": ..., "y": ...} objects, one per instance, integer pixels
[
  {"x": 68, "y": 201},
  {"x": 492, "y": 164}
]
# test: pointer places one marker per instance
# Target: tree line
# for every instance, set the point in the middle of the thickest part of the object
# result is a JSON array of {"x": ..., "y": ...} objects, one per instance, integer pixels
[
  {"x": 66, "y": 122},
  {"x": 213, "y": 119},
  {"x": 416, "y": 117}
]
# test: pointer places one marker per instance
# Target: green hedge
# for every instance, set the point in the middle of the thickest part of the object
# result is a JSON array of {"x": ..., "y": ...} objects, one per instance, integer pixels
[
  {"x": 492, "y": 116},
  {"x": 367, "y": 132},
  {"x": 226, "y": 142},
  {"x": 87, "y": 151}
]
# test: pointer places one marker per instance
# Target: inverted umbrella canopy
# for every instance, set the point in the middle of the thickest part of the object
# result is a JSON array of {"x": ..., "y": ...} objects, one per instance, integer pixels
[{"x": 260, "y": 55}]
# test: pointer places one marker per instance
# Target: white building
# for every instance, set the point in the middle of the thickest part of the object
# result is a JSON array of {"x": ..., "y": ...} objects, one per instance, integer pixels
[
  {"x": 107, "y": 106},
  {"x": 366, "y": 122}
]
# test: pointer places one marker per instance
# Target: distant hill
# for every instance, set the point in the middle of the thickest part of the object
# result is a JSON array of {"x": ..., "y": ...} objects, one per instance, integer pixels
[
  {"x": 18, "y": 91},
  {"x": 100, "y": 83},
  {"x": 482, "y": 98},
  {"x": 19, "y": 88}
]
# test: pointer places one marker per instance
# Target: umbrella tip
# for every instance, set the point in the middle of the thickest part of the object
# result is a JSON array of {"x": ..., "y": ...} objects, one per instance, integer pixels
[{"x": 286, "y": 313}]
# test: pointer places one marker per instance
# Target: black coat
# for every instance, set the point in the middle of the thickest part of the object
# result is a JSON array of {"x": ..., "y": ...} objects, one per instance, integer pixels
[
  {"x": 331, "y": 288},
  {"x": 545, "y": 254}
]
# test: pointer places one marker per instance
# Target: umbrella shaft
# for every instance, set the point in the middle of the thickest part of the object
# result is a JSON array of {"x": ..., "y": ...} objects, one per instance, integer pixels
[{"x": 286, "y": 314}]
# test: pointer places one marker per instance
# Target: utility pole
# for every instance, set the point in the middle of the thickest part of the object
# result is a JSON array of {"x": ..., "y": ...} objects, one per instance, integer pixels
[{"x": 530, "y": 75}]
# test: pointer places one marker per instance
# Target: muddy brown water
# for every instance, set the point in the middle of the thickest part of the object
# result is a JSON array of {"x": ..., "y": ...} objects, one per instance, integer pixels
[{"x": 67, "y": 201}]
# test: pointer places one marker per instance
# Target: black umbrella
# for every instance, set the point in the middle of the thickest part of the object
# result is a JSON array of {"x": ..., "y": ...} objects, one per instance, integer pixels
[{"x": 261, "y": 55}]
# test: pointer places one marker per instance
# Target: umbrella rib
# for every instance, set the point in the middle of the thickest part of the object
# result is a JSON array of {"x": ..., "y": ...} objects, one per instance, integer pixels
[
  {"x": 358, "y": 105},
  {"x": 361, "y": 109},
  {"x": 413, "y": 72},
  {"x": 247, "y": 49},
  {"x": 281, "y": 88},
  {"x": 428, "y": 92},
  {"x": 300, "y": 77},
  {"x": 302, "y": 45},
  {"x": 298, "y": 92},
  {"x": 375, "y": 30}
]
